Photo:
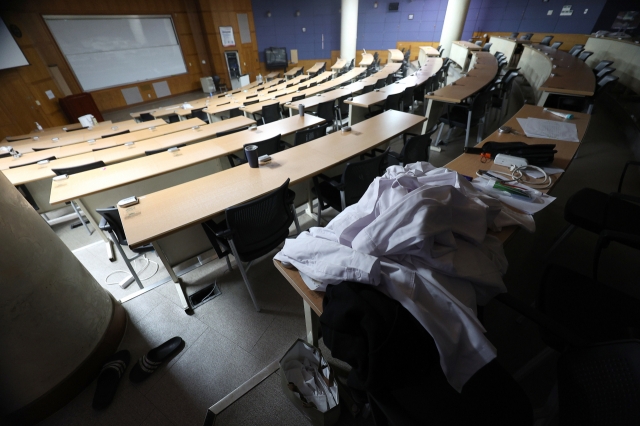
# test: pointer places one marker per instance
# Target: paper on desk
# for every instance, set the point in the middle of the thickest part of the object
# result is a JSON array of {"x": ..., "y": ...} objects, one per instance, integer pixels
[
  {"x": 548, "y": 170},
  {"x": 526, "y": 206},
  {"x": 549, "y": 129}
]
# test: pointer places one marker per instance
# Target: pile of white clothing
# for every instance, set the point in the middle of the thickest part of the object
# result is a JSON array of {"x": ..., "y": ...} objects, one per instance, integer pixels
[{"x": 420, "y": 235}]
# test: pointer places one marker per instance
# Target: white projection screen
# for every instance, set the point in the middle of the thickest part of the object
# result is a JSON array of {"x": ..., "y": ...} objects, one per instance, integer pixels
[
  {"x": 108, "y": 51},
  {"x": 10, "y": 54}
]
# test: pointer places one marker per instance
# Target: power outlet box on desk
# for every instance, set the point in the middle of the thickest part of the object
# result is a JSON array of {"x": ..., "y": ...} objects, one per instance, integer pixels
[{"x": 510, "y": 160}]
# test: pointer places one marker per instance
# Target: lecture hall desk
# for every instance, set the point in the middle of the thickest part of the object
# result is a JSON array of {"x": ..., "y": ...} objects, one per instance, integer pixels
[{"x": 461, "y": 51}]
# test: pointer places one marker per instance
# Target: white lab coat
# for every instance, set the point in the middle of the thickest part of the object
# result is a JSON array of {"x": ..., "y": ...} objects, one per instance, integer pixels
[{"x": 420, "y": 235}]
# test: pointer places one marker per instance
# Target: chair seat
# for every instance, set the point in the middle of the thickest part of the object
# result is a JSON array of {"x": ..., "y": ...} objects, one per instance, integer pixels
[{"x": 587, "y": 208}]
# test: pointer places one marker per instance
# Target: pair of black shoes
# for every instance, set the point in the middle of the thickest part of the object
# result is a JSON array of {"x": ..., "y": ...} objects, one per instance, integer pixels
[{"x": 116, "y": 365}]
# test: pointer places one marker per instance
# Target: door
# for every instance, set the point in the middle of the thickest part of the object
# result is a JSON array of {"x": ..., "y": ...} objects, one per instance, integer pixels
[{"x": 233, "y": 68}]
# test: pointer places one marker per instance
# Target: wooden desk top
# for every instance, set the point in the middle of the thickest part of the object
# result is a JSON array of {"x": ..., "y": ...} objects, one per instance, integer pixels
[
  {"x": 122, "y": 153},
  {"x": 367, "y": 59},
  {"x": 467, "y": 164},
  {"x": 572, "y": 75},
  {"x": 340, "y": 63},
  {"x": 482, "y": 74},
  {"x": 198, "y": 200},
  {"x": 292, "y": 71},
  {"x": 81, "y": 148},
  {"x": 430, "y": 51},
  {"x": 432, "y": 66},
  {"x": 273, "y": 74},
  {"x": 467, "y": 45},
  {"x": 395, "y": 55},
  {"x": 316, "y": 67},
  {"x": 71, "y": 138},
  {"x": 124, "y": 173},
  {"x": 51, "y": 132}
]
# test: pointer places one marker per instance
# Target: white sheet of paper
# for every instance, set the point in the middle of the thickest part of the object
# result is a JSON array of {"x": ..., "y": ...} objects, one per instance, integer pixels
[
  {"x": 549, "y": 129},
  {"x": 526, "y": 206}
]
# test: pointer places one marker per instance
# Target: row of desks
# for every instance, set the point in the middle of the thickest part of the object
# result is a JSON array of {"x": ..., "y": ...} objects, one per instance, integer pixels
[
  {"x": 466, "y": 164},
  {"x": 52, "y": 132}
]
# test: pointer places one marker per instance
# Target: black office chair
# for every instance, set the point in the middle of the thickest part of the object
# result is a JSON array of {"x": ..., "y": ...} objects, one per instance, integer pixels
[
  {"x": 158, "y": 151},
  {"x": 416, "y": 148},
  {"x": 486, "y": 47},
  {"x": 576, "y": 47},
  {"x": 313, "y": 84},
  {"x": 407, "y": 99},
  {"x": 304, "y": 136},
  {"x": 546, "y": 40},
  {"x": 265, "y": 147},
  {"x": 222, "y": 87},
  {"x": 342, "y": 191},
  {"x": 342, "y": 109},
  {"x": 145, "y": 116},
  {"x": 269, "y": 113},
  {"x": 326, "y": 111},
  {"x": 501, "y": 96},
  {"x": 466, "y": 116},
  {"x": 271, "y": 91},
  {"x": 614, "y": 217},
  {"x": 388, "y": 80},
  {"x": 556, "y": 45},
  {"x": 367, "y": 89},
  {"x": 199, "y": 113},
  {"x": 478, "y": 42},
  {"x": 392, "y": 102},
  {"x": 112, "y": 224},
  {"x": 604, "y": 72},
  {"x": 514, "y": 35},
  {"x": 601, "y": 65},
  {"x": 124, "y": 132},
  {"x": 53, "y": 157},
  {"x": 247, "y": 103},
  {"x": 71, "y": 171},
  {"x": 234, "y": 113},
  {"x": 527, "y": 36},
  {"x": 586, "y": 104},
  {"x": 380, "y": 83},
  {"x": 584, "y": 55},
  {"x": 255, "y": 228}
]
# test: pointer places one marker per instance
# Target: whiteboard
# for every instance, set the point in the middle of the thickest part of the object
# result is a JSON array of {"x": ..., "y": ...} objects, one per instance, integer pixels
[
  {"x": 10, "y": 54},
  {"x": 107, "y": 51}
]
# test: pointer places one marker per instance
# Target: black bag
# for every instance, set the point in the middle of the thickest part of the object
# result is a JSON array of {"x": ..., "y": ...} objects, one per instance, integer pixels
[{"x": 540, "y": 154}]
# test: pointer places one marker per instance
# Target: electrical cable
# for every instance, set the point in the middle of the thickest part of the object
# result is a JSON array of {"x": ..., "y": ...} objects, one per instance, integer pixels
[
  {"x": 517, "y": 175},
  {"x": 144, "y": 257}
]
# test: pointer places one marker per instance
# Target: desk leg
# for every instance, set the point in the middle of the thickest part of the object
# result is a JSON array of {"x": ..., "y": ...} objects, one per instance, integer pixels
[
  {"x": 312, "y": 322},
  {"x": 110, "y": 255},
  {"x": 309, "y": 210},
  {"x": 174, "y": 277},
  {"x": 356, "y": 114},
  {"x": 432, "y": 112},
  {"x": 543, "y": 99}
]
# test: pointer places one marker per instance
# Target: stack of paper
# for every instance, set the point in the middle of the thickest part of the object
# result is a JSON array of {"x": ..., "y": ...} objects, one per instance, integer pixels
[{"x": 549, "y": 129}]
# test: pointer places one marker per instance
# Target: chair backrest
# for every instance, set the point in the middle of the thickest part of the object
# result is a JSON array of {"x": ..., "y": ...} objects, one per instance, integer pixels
[
  {"x": 260, "y": 225},
  {"x": 301, "y": 88},
  {"x": 304, "y": 136},
  {"x": 344, "y": 108},
  {"x": 389, "y": 79},
  {"x": 556, "y": 45},
  {"x": 584, "y": 55},
  {"x": 577, "y": 52},
  {"x": 527, "y": 36},
  {"x": 604, "y": 71},
  {"x": 546, "y": 40},
  {"x": 486, "y": 47},
  {"x": 576, "y": 47},
  {"x": 252, "y": 96},
  {"x": 602, "y": 65},
  {"x": 268, "y": 146},
  {"x": 375, "y": 56},
  {"x": 357, "y": 177},
  {"x": 247, "y": 103},
  {"x": 145, "y": 116},
  {"x": 199, "y": 113},
  {"x": 281, "y": 95},
  {"x": 173, "y": 118},
  {"x": 417, "y": 148},
  {"x": 271, "y": 113},
  {"x": 235, "y": 113},
  {"x": 479, "y": 105},
  {"x": 313, "y": 84},
  {"x": 514, "y": 35},
  {"x": 124, "y": 132},
  {"x": 111, "y": 215},
  {"x": 407, "y": 97},
  {"x": 298, "y": 98},
  {"x": 230, "y": 132},
  {"x": 393, "y": 102},
  {"x": 479, "y": 43},
  {"x": 380, "y": 83},
  {"x": 604, "y": 377},
  {"x": 325, "y": 110},
  {"x": 78, "y": 169},
  {"x": 53, "y": 157},
  {"x": 158, "y": 151},
  {"x": 605, "y": 81},
  {"x": 367, "y": 89},
  {"x": 271, "y": 91}
]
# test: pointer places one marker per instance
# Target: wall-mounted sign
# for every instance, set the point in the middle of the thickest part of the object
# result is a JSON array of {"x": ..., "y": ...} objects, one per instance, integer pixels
[
  {"x": 566, "y": 11},
  {"x": 226, "y": 35}
]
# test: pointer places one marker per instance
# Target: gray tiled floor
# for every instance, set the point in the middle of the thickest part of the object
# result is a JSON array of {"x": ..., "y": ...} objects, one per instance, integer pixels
[{"x": 227, "y": 341}]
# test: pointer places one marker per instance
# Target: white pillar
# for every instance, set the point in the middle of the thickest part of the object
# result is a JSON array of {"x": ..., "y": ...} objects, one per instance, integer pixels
[
  {"x": 54, "y": 316},
  {"x": 453, "y": 23},
  {"x": 348, "y": 30}
]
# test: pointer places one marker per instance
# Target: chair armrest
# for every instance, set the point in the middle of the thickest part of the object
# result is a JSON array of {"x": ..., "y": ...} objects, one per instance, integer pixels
[
  {"x": 104, "y": 225},
  {"x": 624, "y": 171}
]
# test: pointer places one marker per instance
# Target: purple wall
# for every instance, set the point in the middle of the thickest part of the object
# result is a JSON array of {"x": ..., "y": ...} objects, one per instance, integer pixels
[{"x": 378, "y": 28}]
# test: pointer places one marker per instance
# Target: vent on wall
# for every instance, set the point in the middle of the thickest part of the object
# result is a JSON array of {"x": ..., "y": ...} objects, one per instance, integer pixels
[{"x": 393, "y": 7}]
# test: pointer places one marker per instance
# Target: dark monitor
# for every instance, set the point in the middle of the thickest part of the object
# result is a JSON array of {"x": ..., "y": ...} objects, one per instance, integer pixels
[{"x": 276, "y": 57}]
